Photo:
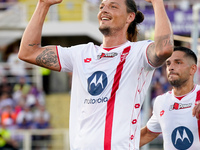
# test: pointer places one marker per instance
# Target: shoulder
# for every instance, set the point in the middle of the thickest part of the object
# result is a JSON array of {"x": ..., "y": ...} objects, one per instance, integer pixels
[
  {"x": 163, "y": 97},
  {"x": 79, "y": 46},
  {"x": 142, "y": 43}
]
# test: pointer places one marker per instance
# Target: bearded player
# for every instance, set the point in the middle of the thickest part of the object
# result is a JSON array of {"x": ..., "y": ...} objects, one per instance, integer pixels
[{"x": 176, "y": 113}]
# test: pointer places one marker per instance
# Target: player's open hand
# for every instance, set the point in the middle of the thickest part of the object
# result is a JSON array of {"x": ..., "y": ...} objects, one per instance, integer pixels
[
  {"x": 51, "y": 2},
  {"x": 196, "y": 110}
]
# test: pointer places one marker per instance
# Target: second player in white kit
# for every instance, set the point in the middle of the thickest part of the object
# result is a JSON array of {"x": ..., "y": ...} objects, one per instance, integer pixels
[{"x": 173, "y": 117}]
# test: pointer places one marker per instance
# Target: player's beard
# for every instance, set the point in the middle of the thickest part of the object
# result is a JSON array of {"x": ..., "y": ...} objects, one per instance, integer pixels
[
  {"x": 177, "y": 83},
  {"x": 106, "y": 31}
]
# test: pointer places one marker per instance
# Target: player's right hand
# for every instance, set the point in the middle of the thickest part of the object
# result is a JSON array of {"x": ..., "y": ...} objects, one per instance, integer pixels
[
  {"x": 51, "y": 2},
  {"x": 196, "y": 110}
]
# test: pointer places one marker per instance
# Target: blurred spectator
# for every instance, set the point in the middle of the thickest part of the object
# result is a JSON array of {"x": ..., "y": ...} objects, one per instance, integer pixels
[
  {"x": 5, "y": 86},
  {"x": 25, "y": 118},
  {"x": 20, "y": 92},
  {"x": 22, "y": 86},
  {"x": 8, "y": 117},
  {"x": 45, "y": 79},
  {"x": 42, "y": 119},
  {"x": 41, "y": 115},
  {"x": 6, "y": 100},
  {"x": 6, "y": 141},
  {"x": 17, "y": 66}
]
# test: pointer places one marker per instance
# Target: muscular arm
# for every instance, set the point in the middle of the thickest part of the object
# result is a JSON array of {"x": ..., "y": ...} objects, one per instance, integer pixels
[
  {"x": 146, "y": 136},
  {"x": 162, "y": 48},
  {"x": 30, "y": 47}
]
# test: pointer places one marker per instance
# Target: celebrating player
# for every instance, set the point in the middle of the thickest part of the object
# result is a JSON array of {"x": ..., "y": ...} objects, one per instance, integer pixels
[
  {"x": 110, "y": 81},
  {"x": 174, "y": 112}
]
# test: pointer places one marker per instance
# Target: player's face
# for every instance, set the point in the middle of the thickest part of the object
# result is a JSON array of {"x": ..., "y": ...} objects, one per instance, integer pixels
[
  {"x": 113, "y": 17},
  {"x": 178, "y": 69}
]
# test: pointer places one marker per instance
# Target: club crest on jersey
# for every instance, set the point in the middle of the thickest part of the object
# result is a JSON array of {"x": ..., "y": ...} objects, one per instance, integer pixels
[
  {"x": 123, "y": 56},
  {"x": 107, "y": 55},
  {"x": 178, "y": 106},
  {"x": 97, "y": 82},
  {"x": 182, "y": 138}
]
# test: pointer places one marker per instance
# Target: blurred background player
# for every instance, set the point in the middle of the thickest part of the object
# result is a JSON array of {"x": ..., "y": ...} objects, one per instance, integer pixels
[{"x": 174, "y": 111}]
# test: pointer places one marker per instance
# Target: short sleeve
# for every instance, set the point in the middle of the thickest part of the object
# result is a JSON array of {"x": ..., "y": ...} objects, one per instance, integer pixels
[{"x": 153, "y": 124}]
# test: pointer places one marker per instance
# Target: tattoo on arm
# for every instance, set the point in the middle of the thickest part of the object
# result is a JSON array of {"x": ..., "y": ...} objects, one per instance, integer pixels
[
  {"x": 47, "y": 58},
  {"x": 152, "y": 56},
  {"x": 33, "y": 44},
  {"x": 162, "y": 43}
]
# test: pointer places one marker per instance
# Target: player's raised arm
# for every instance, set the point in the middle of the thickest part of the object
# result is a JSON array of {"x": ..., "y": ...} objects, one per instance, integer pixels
[
  {"x": 30, "y": 47},
  {"x": 146, "y": 136},
  {"x": 162, "y": 48}
]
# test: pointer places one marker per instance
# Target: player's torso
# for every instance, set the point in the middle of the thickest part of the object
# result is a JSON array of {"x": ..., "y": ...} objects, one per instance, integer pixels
[
  {"x": 102, "y": 77},
  {"x": 180, "y": 128}
]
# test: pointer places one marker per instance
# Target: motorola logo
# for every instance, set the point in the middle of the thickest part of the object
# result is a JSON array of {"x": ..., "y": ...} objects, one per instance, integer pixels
[
  {"x": 182, "y": 138},
  {"x": 97, "y": 82}
]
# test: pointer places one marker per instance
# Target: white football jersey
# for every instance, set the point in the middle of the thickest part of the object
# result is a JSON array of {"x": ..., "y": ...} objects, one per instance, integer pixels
[
  {"x": 108, "y": 89},
  {"x": 173, "y": 117}
]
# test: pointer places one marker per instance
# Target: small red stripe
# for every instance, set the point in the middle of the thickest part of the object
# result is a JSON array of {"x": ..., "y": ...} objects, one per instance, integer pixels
[
  {"x": 199, "y": 128},
  {"x": 198, "y": 99},
  {"x": 111, "y": 102},
  {"x": 58, "y": 58}
]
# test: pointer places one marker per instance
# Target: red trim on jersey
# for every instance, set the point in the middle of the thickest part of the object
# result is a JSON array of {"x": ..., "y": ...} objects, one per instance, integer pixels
[
  {"x": 111, "y": 102},
  {"x": 198, "y": 99},
  {"x": 109, "y": 48},
  {"x": 179, "y": 97},
  {"x": 153, "y": 132},
  {"x": 147, "y": 56},
  {"x": 58, "y": 58}
]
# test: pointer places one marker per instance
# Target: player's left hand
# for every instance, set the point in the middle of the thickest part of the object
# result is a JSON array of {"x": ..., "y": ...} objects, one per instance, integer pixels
[{"x": 196, "y": 110}]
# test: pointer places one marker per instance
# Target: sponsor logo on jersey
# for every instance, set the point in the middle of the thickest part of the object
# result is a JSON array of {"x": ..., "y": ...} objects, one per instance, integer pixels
[
  {"x": 108, "y": 55},
  {"x": 95, "y": 101},
  {"x": 162, "y": 113},
  {"x": 178, "y": 106},
  {"x": 87, "y": 60},
  {"x": 182, "y": 138},
  {"x": 97, "y": 82}
]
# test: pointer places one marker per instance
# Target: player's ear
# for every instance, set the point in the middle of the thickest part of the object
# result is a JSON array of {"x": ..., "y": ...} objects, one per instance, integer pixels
[
  {"x": 193, "y": 69},
  {"x": 131, "y": 17}
]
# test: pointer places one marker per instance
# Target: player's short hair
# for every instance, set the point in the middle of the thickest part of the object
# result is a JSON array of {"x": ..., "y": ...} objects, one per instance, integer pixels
[{"x": 187, "y": 51}]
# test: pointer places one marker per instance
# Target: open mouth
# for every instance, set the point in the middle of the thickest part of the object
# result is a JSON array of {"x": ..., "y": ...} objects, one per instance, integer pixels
[{"x": 106, "y": 19}]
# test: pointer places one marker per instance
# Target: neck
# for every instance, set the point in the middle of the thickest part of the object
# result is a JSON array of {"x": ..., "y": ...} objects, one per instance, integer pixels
[
  {"x": 183, "y": 90},
  {"x": 114, "y": 40}
]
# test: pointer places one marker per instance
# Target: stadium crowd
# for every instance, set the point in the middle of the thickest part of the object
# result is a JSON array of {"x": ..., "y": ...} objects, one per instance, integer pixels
[{"x": 22, "y": 106}]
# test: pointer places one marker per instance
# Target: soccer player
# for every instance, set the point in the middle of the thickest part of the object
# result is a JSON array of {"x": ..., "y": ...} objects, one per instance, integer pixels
[
  {"x": 109, "y": 82},
  {"x": 174, "y": 112}
]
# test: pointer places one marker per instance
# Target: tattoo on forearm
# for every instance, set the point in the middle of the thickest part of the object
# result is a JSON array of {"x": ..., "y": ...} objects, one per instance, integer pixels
[
  {"x": 151, "y": 55},
  {"x": 47, "y": 58},
  {"x": 164, "y": 41},
  {"x": 33, "y": 44}
]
